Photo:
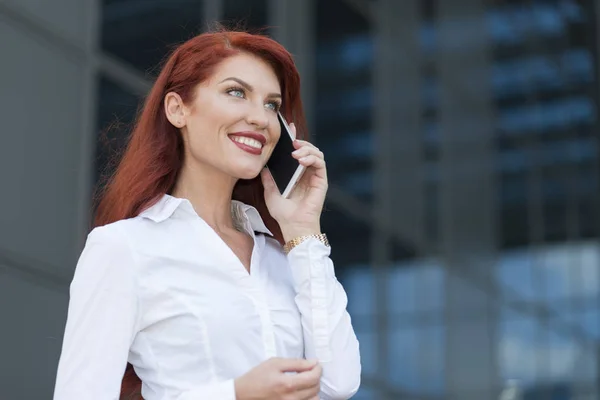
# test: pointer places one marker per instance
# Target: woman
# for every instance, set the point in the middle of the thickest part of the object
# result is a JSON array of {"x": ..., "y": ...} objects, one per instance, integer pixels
[{"x": 199, "y": 274}]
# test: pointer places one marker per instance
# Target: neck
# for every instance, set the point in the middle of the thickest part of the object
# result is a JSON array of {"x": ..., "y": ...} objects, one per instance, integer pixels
[{"x": 210, "y": 193}]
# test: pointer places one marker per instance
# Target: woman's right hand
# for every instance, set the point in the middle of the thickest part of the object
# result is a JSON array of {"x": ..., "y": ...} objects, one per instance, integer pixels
[{"x": 269, "y": 380}]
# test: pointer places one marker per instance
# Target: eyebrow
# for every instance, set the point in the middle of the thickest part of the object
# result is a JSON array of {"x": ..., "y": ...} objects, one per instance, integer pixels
[{"x": 247, "y": 86}]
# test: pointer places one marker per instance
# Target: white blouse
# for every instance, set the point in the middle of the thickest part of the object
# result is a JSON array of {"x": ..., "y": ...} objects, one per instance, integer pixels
[{"x": 165, "y": 293}]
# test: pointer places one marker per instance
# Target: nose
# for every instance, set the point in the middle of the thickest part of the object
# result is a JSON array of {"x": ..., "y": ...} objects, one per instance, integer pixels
[{"x": 257, "y": 117}]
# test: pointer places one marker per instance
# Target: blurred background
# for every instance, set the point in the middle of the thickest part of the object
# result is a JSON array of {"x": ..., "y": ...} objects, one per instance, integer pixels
[{"x": 463, "y": 150}]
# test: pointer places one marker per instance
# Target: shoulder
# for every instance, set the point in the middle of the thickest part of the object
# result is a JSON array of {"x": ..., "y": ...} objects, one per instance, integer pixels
[
  {"x": 107, "y": 260},
  {"x": 136, "y": 238},
  {"x": 273, "y": 245},
  {"x": 274, "y": 256},
  {"x": 121, "y": 234},
  {"x": 106, "y": 233},
  {"x": 110, "y": 246},
  {"x": 118, "y": 230}
]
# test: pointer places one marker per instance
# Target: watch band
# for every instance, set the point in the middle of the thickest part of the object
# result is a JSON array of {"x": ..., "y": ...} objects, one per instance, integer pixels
[{"x": 296, "y": 241}]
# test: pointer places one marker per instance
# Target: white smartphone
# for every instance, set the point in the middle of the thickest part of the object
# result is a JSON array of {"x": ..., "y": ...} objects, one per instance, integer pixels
[{"x": 284, "y": 168}]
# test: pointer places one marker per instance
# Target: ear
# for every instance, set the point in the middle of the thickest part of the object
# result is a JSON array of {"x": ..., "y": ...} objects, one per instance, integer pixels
[{"x": 175, "y": 109}]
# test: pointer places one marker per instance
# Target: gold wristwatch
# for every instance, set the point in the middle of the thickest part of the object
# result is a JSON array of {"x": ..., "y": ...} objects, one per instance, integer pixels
[{"x": 296, "y": 241}]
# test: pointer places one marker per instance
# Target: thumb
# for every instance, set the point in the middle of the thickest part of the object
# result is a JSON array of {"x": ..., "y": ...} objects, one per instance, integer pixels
[
  {"x": 296, "y": 365},
  {"x": 268, "y": 182}
]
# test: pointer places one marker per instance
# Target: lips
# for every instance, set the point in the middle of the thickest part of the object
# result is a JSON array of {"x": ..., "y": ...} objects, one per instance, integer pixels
[{"x": 250, "y": 142}]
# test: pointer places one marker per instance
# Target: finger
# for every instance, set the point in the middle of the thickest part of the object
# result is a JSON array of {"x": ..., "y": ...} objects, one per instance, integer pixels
[
  {"x": 307, "y": 379},
  {"x": 299, "y": 365},
  {"x": 292, "y": 129},
  {"x": 312, "y": 161},
  {"x": 301, "y": 143},
  {"x": 301, "y": 152},
  {"x": 307, "y": 150},
  {"x": 309, "y": 393},
  {"x": 268, "y": 182},
  {"x": 308, "y": 147}
]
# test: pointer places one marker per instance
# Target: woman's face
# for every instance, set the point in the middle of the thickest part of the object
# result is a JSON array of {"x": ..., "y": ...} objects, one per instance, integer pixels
[{"x": 231, "y": 125}]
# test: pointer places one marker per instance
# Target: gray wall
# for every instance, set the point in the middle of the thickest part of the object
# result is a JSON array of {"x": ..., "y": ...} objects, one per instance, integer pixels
[{"x": 45, "y": 102}]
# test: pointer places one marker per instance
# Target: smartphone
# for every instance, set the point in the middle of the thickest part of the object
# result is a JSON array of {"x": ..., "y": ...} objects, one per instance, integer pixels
[{"x": 284, "y": 168}]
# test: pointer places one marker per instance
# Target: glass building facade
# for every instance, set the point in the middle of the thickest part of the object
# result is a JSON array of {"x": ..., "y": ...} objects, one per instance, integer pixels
[
  {"x": 462, "y": 145},
  {"x": 462, "y": 139}
]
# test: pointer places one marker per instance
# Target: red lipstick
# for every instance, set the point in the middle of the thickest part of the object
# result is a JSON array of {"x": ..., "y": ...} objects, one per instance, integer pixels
[{"x": 246, "y": 147}]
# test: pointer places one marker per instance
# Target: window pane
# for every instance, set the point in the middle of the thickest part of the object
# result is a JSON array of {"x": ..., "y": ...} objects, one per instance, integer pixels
[
  {"x": 344, "y": 98},
  {"x": 141, "y": 32},
  {"x": 116, "y": 113},
  {"x": 248, "y": 14},
  {"x": 350, "y": 243}
]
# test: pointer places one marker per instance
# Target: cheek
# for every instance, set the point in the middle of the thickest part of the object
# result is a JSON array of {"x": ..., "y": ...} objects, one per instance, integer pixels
[
  {"x": 226, "y": 111},
  {"x": 276, "y": 132},
  {"x": 200, "y": 137},
  {"x": 204, "y": 128},
  {"x": 275, "y": 136},
  {"x": 267, "y": 154}
]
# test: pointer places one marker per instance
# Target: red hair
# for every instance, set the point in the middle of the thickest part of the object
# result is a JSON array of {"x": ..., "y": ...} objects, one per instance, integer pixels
[{"x": 154, "y": 155}]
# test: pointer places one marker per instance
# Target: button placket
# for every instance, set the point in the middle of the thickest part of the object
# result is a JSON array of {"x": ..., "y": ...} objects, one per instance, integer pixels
[
  {"x": 260, "y": 300},
  {"x": 254, "y": 287}
]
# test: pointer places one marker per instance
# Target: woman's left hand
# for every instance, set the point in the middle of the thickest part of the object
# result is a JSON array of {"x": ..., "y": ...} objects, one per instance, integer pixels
[{"x": 299, "y": 214}]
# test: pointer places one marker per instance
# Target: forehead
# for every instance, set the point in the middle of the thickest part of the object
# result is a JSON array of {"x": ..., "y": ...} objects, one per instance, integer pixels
[{"x": 249, "y": 68}]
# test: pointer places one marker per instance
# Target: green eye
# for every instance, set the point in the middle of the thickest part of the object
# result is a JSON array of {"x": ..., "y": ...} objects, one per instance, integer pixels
[
  {"x": 237, "y": 92},
  {"x": 273, "y": 106}
]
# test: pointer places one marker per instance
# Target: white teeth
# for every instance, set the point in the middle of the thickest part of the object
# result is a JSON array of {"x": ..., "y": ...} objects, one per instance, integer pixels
[{"x": 248, "y": 141}]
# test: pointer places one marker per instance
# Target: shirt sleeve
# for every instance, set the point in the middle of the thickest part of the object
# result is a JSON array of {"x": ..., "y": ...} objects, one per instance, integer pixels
[
  {"x": 328, "y": 333},
  {"x": 101, "y": 320}
]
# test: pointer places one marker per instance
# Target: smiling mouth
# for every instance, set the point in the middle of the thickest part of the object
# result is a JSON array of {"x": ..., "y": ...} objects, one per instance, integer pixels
[
  {"x": 247, "y": 141},
  {"x": 247, "y": 144}
]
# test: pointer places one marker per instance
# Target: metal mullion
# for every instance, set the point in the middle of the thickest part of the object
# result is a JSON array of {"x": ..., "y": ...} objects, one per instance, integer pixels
[
  {"x": 383, "y": 177},
  {"x": 88, "y": 125}
]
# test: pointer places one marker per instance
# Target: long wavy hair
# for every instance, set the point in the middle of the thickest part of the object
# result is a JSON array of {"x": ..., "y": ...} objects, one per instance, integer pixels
[{"x": 154, "y": 154}]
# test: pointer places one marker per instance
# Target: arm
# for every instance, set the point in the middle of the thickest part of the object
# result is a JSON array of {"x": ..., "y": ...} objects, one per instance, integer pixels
[
  {"x": 101, "y": 321},
  {"x": 328, "y": 333}
]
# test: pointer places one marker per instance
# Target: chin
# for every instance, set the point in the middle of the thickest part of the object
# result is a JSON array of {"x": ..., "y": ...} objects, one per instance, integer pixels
[{"x": 248, "y": 173}]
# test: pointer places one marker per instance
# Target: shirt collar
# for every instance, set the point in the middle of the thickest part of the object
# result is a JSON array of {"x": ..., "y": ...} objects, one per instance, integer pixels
[
  {"x": 250, "y": 214},
  {"x": 166, "y": 206},
  {"x": 162, "y": 209}
]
